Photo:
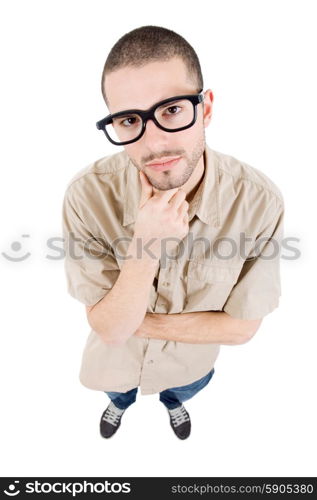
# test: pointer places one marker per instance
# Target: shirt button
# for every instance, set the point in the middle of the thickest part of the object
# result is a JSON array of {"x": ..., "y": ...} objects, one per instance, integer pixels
[
  {"x": 166, "y": 283},
  {"x": 150, "y": 361}
]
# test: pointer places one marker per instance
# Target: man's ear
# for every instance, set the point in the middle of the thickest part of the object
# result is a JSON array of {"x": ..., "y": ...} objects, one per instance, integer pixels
[{"x": 207, "y": 107}]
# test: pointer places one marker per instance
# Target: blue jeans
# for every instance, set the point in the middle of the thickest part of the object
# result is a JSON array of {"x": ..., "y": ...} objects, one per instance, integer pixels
[{"x": 171, "y": 398}]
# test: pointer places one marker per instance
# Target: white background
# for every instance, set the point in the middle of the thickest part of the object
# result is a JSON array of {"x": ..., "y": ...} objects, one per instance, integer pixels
[{"x": 257, "y": 416}]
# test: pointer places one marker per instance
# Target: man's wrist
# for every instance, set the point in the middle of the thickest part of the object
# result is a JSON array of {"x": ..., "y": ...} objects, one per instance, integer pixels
[{"x": 137, "y": 251}]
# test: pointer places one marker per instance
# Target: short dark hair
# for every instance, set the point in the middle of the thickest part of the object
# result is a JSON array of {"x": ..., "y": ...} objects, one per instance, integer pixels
[{"x": 151, "y": 43}]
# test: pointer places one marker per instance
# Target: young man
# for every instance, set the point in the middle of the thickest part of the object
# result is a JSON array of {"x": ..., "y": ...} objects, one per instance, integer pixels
[{"x": 173, "y": 247}]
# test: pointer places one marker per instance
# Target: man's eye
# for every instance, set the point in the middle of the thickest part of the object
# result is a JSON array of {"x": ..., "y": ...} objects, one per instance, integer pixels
[
  {"x": 131, "y": 120},
  {"x": 172, "y": 110},
  {"x": 126, "y": 121}
]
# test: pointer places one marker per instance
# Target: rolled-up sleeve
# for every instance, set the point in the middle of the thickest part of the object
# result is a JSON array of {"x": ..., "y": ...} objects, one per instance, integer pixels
[
  {"x": 90, "y": 266},
  {"x": 258, "y": 288}
]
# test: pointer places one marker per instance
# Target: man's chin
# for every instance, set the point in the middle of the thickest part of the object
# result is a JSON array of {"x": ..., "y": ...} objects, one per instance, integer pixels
[{"x": 166, "y": 186}]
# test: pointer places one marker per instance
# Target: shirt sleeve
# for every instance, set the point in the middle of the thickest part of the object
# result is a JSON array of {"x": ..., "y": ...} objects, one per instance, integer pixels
[
  {"x": 90, "y": 265},
  {"x": 258, "y": 288}
]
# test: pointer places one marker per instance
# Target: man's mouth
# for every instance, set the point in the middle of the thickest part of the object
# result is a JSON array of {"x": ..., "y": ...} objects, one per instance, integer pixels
[{"x": 164, "y": 164}]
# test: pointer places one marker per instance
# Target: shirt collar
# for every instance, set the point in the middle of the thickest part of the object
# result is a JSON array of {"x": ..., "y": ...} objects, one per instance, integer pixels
[{"x": 204, "y": 205}]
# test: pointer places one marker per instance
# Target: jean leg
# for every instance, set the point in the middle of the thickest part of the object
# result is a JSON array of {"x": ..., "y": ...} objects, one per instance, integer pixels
[
  {"x": 174, "y": 396},
  {"x": 123, "y": 400}
]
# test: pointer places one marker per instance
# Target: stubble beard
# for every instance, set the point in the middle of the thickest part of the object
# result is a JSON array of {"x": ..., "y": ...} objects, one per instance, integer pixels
[{"x": 191, "y": 163}]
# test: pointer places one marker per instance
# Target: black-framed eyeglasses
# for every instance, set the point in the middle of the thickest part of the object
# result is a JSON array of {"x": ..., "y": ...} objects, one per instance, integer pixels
[{"x": 172, "y": 115}]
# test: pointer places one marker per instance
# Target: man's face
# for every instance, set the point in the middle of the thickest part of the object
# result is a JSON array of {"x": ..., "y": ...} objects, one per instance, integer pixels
[{"x": 140, "y": 88}]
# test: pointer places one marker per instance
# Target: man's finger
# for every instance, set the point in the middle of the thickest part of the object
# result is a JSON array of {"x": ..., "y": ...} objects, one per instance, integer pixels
[
  {"x": 165, "y": 196},
  {"x": 146, "y": 189}
]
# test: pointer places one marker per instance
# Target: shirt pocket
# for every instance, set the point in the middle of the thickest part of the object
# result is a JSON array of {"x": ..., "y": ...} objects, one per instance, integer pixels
[{"x": 209, "y": 285}]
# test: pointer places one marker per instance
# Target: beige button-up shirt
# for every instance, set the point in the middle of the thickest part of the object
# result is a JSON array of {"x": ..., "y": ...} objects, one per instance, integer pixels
[{"x": 229, "y": 261}]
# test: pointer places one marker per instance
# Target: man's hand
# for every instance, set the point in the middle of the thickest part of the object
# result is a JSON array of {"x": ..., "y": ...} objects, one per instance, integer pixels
[
  {"x": 203, "y": 327},
  {"x": 152, "y": 323},
  {"x": 161, "y": 216}
]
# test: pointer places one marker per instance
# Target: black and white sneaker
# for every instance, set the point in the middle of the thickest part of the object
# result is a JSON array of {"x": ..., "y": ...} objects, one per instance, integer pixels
[
  {"x": 180, "y": 421},
  {"x": 110, "y": 420}
]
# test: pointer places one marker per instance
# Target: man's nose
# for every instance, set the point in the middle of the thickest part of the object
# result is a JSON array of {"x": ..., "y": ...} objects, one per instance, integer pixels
[{"x": 155, "y": 134}]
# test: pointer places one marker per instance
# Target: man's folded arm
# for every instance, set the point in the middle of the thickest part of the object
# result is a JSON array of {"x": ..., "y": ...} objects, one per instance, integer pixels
[
  {"x": 116, "y": 300},
  {"x": 206, "y": 327}
]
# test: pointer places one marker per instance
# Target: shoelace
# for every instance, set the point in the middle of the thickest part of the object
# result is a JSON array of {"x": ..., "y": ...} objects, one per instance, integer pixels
[
  {"x": 178, "y": 415},
  {"x": 112, "y": 414}
]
